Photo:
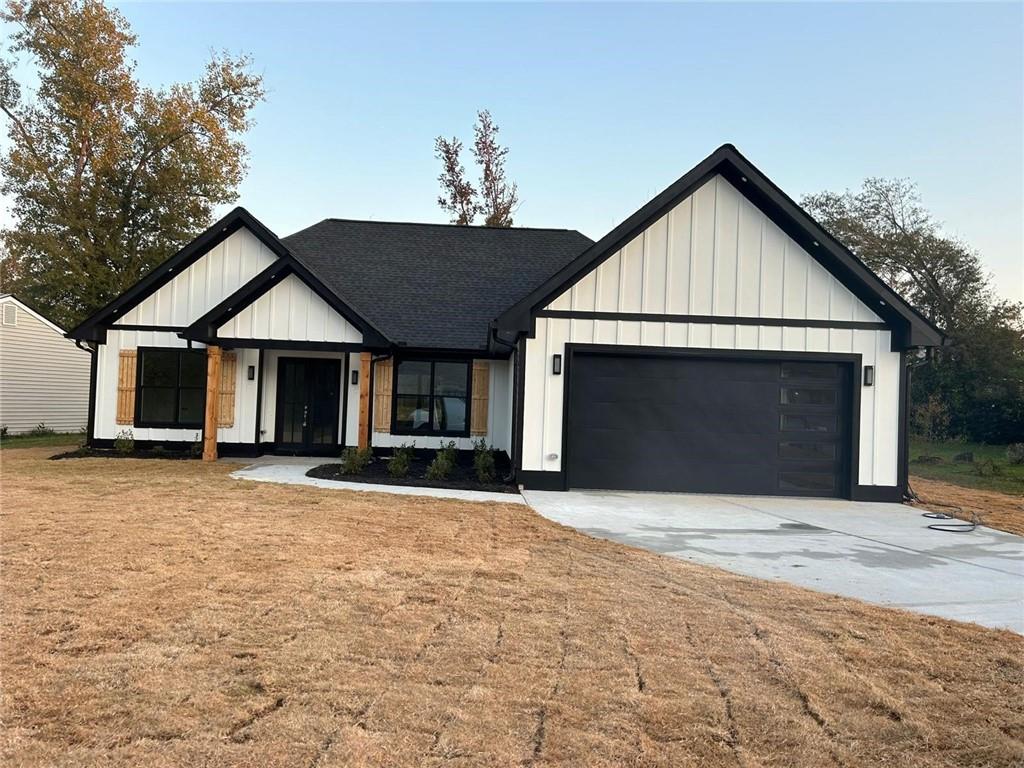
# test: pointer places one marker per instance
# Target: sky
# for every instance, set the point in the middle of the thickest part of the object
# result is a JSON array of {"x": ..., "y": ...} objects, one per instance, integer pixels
[{"x": 602, "y": 106}]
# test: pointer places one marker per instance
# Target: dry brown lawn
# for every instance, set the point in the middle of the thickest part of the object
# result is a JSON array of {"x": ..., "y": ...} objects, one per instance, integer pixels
[
  {"x": 994, "y": 509},
  {"x": 159, "y": 613}
]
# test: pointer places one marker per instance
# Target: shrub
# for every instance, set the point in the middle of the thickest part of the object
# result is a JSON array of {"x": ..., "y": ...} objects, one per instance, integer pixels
[
  {"x": 401, "y": 460},
  {"x": 3, "y": 431},
  {"x": 355, "y": 460},
  {"x": 124, "y": 442},
  {"x": 930, "y": 420},
  {"x": 925, "y": 459},
  {"x": 987, "y": 468},
  {"x": 1015, "y": 453},
  {"x": 483, "y": 461},
  {"x": 444, "y": 462},
  {"x": 965, "y": 457},
  {"x": 40, "y": 430}
]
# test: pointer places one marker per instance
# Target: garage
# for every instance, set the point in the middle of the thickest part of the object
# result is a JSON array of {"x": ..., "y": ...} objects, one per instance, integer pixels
[{"x": 709, "y": 424}]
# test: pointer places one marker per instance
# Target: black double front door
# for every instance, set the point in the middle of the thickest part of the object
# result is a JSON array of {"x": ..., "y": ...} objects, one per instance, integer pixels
[{"x": 307, "y": 405}]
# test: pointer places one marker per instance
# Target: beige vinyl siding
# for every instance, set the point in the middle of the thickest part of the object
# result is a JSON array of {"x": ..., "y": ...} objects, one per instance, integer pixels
[{"x": 44, "y": 377}]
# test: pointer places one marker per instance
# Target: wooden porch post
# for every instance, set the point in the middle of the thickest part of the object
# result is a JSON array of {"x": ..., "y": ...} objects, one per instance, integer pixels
[
  {"x": 212, "y": 400},
  {"x": 364, "y": 399}
]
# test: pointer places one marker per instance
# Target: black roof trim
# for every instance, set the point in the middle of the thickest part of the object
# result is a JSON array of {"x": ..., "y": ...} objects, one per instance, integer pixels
[
  {"x": 205, "y": 328},
  {"x": 909, "y": 327},
  {"x": 451, "y": 226},
  {"x": 93, "y": 328}
]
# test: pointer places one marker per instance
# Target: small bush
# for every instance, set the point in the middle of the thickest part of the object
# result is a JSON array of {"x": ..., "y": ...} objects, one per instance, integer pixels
[
  {"x": 3, "y": 431},
  {"x": 195, "y": 450},
  {"x": 124, "y": 442},
  {"x": 355, "y": 460},
  {"x": 1015, "y": 453},
  {"x": 923, "y": 459},
  {"x": 483, "y": 461},
  {"x": 444, "y": 462},
  {"x": 965, "y": 457},
  {"x": 40, "y": 430},
  {"x": 930, "y": 420},
  {"x": 987, "y": 468},
  {"x": 401, "y": 460}
]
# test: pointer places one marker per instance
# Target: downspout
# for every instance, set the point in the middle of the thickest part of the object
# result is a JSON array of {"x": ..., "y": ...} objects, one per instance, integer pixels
[{"x": 90, "y": 422}]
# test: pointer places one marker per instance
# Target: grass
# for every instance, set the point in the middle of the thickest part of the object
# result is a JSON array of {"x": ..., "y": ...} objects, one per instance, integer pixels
[
  {"x": 1009, "y": 480},
  {"x": 160, "y": 613},
  {"x": 36, "y": 441}
]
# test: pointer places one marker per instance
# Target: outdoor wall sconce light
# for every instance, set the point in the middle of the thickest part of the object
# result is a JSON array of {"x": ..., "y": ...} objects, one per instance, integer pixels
[
  {"x": 251, "y": 373},
  {"x": 354, "y": 378},
  {"x": 869, "y": 375},
  {"x": 556, "y": 365}
]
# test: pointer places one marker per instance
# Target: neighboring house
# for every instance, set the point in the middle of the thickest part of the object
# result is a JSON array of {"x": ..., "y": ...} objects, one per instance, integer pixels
[
  {"x": 44, "y": 377},
  {"x": 718, "y": 340}
]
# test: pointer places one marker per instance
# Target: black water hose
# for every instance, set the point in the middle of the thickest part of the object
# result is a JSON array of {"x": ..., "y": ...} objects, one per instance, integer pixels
[{"x": 963, "y": 526}]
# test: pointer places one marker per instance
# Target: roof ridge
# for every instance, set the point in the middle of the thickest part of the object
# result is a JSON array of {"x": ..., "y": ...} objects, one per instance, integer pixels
[{"x": 454, "y": 226}]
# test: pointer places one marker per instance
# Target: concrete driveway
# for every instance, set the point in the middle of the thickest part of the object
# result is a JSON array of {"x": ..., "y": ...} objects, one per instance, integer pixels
[{"x": 882, "y": 553}]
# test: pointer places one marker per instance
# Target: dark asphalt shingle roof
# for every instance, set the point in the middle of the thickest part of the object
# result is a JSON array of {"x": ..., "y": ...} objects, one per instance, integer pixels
[{"x": 432, "y": 285}]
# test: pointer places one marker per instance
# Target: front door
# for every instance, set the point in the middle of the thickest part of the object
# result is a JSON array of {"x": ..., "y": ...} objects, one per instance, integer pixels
[{"x": 307, "y": 405}]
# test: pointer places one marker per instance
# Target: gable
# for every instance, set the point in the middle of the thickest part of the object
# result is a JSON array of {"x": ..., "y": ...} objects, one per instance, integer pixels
[
  {"x": 714, "y": 253},
  {"x": 208, "y": 280},
  {"x": 290, "y": 311}
]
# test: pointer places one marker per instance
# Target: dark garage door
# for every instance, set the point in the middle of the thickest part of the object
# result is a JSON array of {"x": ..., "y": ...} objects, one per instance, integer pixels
[{"x": 708, "y": 425}]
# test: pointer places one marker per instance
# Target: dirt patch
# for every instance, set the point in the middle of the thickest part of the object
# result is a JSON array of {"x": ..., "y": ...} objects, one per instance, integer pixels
[
  {"x": 994, "y": 509},
  {"x": 463, "y": 476},
  {"x": 160, "y": 613}
]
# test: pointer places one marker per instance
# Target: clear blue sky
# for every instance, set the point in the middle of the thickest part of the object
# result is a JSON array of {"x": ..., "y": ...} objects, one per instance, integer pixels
[{"x": 604, "y": 105}]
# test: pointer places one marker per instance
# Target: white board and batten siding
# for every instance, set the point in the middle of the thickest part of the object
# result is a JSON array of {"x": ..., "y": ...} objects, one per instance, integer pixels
[
  {"x": 203, "y": 284},
  {"x": 291, "y": 311},
  {"x": 714, "y": 254},
  {"x": 44, "y": 377},
  {"x": 184, "y": 298}
]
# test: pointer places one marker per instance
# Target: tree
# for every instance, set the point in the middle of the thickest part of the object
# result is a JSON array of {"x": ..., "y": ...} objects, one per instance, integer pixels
[
  {"x": 979, "y": 378},
  {"x": 500, "y": 198},
  {"x": 457, "y": 195},
  {"x": 108, "y": 177},
  {"x": 495, "y": 197}
]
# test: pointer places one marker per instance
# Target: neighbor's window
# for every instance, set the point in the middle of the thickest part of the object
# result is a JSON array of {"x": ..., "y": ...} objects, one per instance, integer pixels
[
  {"x": 171, "y": 389},
  {"x": 431, "y": 397}
]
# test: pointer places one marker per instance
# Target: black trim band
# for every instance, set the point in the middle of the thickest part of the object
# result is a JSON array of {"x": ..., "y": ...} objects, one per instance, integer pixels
[
  {"x": 130, "y": 327},
  {"x": 650, "y": 317},
  {"x": 537, "y": 480}
]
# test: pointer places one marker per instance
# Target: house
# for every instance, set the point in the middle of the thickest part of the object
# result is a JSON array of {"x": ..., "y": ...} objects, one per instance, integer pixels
[
  {"x": 718, "y": 340},
  {"x": 44, "y": 377}
]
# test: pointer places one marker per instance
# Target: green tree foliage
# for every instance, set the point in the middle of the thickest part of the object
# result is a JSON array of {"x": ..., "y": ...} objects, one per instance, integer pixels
[
  {"x": 978, "y": 379},
  {"x": 495, "y": 197},
  {"x": 108, "y": 177}
]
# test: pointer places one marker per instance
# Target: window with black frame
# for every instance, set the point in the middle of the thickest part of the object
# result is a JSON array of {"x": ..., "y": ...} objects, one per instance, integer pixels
[
  {"x": 171, "y": 387},
  {"x": 431, "y": 397}
]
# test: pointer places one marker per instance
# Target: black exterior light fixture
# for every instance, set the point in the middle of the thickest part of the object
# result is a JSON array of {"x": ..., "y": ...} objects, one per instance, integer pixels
[
  {"x": 556, "y": 365},
  {"x": 869, "y": 375},
  {"x": 251, "y": 373},
  {"x": 354, "y": 377}
]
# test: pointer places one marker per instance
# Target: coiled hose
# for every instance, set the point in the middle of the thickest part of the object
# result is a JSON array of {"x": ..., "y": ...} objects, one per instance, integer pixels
[{"x": 962, "y": 526}]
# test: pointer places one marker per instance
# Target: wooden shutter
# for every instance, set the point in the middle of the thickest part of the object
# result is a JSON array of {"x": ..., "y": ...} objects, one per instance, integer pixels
[
  {"x": 126, "y": 386},
  {"x": 481, "y": 387},
  {"x": 382, "y": 396},
  {"x": 226, "y": 395}
]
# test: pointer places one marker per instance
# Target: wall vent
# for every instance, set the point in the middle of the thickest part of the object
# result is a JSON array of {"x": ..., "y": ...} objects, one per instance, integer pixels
[{"x": 10, "y": 314}]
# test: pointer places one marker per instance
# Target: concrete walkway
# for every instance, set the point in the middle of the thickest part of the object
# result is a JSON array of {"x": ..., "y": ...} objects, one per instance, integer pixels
[
  {"x": 881, "y": 553},
  {"x": 291, "y": 470}
]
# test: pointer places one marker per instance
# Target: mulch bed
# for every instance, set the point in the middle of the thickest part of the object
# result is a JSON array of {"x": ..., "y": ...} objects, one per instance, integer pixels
[
  {"x": 463, "y": 477},
  {"x": 110, "y": 453}
]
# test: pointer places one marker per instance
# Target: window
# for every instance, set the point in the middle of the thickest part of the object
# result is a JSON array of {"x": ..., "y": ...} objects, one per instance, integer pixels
[
  {"x": 431, "y": 397},
  {"x": 171, "y": 389}
]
